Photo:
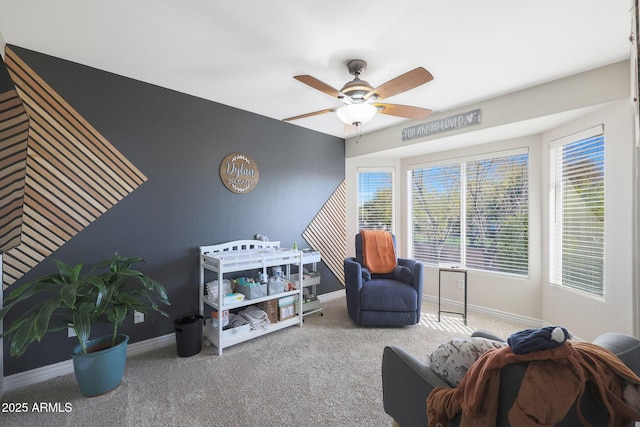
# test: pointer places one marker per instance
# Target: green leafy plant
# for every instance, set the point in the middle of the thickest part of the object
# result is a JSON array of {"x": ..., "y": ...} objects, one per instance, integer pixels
[
  {"x": 122, "y": 299},
  {"x": 111, "y": 290}
]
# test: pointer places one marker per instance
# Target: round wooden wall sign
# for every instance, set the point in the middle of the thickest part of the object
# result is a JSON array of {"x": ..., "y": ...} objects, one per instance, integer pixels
[{"x": 239, "y": 173}]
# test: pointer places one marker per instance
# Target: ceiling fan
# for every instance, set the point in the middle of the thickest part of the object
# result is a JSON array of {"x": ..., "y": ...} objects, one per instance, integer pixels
[{"x": 362, "y": 100}]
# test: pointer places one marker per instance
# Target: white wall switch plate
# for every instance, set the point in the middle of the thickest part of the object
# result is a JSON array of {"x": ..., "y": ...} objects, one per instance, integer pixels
[{"x": 138, "y": 317}]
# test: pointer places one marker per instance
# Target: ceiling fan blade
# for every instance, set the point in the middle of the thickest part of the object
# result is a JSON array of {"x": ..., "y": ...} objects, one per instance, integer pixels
[
  {"x": 321, "y": 86},
  {"x": 406, "y": 111},
  {"x": 315, "y": 113},
  {"x": 402, "y": 83}
]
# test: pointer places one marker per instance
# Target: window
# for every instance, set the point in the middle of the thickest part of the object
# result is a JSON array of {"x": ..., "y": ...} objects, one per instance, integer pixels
[
  {"x": 435, "y": 223},
  {"x": 484, "y": 227},
  {"x": 375, "y": 199},
  {"x": 577, "y": 211}
]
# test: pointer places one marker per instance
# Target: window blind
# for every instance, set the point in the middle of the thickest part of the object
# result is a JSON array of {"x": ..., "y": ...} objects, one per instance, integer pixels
[
  {"x": 375, "y": 199},
  {"x": 578, "y": 219},
  {"x": 497, "y": 214},
  {"x": 435, "y": 200},
  {"x": 473, "y": 212}
]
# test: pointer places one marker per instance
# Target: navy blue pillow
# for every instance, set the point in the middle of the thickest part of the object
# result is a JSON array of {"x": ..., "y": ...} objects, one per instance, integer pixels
[{"x": 403, "y": 274}]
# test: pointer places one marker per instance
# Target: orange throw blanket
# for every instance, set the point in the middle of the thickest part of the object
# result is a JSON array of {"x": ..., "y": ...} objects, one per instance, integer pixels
[{"x": 378, "y": 252}]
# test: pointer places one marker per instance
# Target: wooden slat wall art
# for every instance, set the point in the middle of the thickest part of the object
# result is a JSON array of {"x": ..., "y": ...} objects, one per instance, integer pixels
[
  {"x": 14, "y": 127},
  {"x": 327, "y": 232},
  {"x": 73, "y": 174}
]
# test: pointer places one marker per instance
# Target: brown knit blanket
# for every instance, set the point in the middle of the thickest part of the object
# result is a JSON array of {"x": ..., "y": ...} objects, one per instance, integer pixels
[
  {"x": 378, "y": 252},
  {"x": 554, "y": 380}
]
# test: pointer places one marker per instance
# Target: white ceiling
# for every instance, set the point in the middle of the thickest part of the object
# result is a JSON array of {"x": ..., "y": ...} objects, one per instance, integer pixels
[{"x": 244, "y": 53}]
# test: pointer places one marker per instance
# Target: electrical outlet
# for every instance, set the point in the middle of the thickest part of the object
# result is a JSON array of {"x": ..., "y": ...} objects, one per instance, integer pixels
[
  {"x": 71, "y": 333},
  {"x": 138, "y": 317},
  {"x": 460, "y": 284}
]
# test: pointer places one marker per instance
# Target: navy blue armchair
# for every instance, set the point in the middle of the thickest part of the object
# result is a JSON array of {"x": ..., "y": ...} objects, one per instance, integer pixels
[{"x": 392, "y": 299}]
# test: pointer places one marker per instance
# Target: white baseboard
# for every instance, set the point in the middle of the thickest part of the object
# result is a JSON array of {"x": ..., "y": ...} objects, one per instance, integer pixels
[
  {"x": 529, "y": 321},
  {"x": 332, "y": 295},
  {"x": 44, "y": 373}
]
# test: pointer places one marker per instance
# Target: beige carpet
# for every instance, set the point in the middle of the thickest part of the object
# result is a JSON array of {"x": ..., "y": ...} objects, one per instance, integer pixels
[{"x": 325, "y": 373}]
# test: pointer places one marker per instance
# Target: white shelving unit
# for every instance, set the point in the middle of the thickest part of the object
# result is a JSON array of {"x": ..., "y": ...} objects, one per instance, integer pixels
[
  {"x": 238, "y": 256},
  {"x": 310, "y": 257}
]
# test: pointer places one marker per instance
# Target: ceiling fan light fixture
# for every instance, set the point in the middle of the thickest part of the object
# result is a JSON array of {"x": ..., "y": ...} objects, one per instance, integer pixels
[{"x": 356, "y": 113}]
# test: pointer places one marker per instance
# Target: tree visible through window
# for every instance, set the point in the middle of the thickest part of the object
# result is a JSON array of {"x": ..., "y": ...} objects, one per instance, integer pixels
[
  {"x": 375, "y": 199},
  {"x": 497, "y": 214},
  {"x": 483, "y": 227},
  {"x": 436, "y": 213}
]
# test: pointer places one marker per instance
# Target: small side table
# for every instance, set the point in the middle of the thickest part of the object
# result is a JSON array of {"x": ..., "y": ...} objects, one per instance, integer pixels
[{"x": 453, "y": 270}]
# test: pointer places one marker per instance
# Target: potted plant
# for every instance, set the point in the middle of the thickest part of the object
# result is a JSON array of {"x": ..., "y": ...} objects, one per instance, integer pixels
[{"x": 70, "y": 299}]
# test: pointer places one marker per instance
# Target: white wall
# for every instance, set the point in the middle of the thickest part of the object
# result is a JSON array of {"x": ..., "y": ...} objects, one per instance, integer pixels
[{"x": 530, "y": 118}]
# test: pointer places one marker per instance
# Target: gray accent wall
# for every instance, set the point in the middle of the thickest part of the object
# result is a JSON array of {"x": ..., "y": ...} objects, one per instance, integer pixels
[{"x": 178, "y": 141}]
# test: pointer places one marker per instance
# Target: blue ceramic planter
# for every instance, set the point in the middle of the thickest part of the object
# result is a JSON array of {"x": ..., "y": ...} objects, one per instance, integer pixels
[{"x": 100, "y": 371}]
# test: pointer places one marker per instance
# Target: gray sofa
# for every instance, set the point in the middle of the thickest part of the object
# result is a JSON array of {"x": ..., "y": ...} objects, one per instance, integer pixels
[{"x": 407, "y": 381}]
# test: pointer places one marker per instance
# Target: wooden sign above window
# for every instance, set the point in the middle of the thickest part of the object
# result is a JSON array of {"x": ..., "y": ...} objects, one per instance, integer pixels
[
  {"x": 457, "y": 121},
  {"x": 239, "y": 173}
]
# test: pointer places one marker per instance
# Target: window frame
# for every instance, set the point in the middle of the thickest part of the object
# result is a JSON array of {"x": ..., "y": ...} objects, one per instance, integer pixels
[
  {"x": 377, "y": 169},
  {"x": 462, "y": 163},
  {"x": 555, "y": 246}
]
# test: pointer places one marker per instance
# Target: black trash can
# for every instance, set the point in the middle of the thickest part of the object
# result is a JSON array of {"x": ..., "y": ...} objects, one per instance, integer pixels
[{"x": 188, "y": 335}]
